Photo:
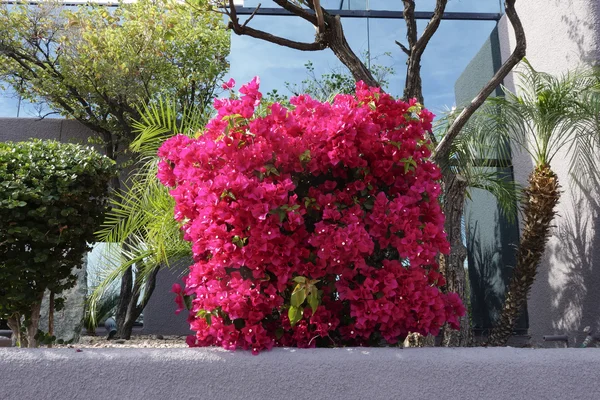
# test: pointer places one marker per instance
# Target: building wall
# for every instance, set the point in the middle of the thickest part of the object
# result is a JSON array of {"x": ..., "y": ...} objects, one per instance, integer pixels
[{"x": 563, "y": 35}]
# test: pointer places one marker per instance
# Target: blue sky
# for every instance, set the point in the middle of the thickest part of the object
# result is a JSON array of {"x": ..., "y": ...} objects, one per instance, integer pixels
[{"x": 450, "y": 50}]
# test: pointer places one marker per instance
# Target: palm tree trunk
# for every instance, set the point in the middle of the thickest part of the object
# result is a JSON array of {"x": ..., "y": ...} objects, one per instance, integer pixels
[{"x": 541, "y": 198}]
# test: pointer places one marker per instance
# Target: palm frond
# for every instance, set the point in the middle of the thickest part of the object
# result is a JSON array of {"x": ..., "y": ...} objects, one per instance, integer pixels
[
  {"x": 141, "y": 225},
  {"x": 548, "y": 113},
  {"x": 480, "y": 153},
  {"x": 162, "y": 119}
]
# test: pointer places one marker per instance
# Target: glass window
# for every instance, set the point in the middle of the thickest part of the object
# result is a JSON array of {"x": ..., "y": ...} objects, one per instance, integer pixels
[
  {"x": 447, "y": 55},
  {"x": 483, "y": 6}
]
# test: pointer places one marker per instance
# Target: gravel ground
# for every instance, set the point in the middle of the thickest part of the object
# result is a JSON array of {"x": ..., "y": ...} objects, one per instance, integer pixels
[{"x": 138, "y": 341}]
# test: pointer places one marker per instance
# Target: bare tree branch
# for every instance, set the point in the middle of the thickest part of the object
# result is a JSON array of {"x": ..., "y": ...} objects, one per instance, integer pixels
[
  {"x": 299, "y": 11},
  {"x": 440, "y": 155},
  {"x": 336, "y": 41},
  {"x": 319, "y": 14},
  {"x": 431, "y": 27},
  {"x": 411, "y": 22},
  {"x": 251, "y": 15},
  {"x": 234, "y": 25},
  {"x": 413, "y": 87},
  {"x": 277, "y": 39},
  {"x": 41, "y": 117},
  {"x": 404, "y": 48},
  {"x": 329, "y": 34}
]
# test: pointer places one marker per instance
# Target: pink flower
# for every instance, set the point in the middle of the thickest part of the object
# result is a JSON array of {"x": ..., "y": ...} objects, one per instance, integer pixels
[
  {"x": 229, "y": 85},
  {"x": 178, "y": 297},
  {"x": 300, "y": 199}
]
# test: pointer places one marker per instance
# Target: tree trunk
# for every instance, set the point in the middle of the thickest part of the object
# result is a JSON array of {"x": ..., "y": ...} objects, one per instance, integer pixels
[
  {"x": 50, "y": 317},
  {"x": 128, "y": 310},
  {"x": 452, "y": 265},
  {"x": 19, "y": 339},
  {"x": 34, "y": 322},
  {"x": 541, "y": 197},
  {"x": 413, "y": 87},
  {"x": 124, "y": 326},
  {"x": 336, "y": 41}
]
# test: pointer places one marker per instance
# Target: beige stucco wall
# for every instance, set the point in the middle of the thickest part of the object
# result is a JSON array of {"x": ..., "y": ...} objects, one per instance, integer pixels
[{"x": 563, "y": 35}]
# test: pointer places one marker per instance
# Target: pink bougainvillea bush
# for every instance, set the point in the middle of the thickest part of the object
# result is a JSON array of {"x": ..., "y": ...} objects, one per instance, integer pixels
[{"x": 317, "y": 225}]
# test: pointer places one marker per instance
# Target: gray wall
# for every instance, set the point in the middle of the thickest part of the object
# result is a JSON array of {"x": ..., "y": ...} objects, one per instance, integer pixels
[
  {"x": 491, "y": 237},
  {"x": 159, "y": 314},
  {"x": 284, "y": 373},
  {"x": 19, "y": 129},
  {"x": 561, "y": 36}
]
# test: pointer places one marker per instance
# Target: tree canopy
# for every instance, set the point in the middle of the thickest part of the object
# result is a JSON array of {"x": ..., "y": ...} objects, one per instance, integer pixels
[{"x": 99, "y": 65}]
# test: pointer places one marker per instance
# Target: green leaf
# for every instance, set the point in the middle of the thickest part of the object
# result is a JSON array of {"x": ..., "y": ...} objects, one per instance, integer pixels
[
  {"x": 298, "y": 295},
  {"x": 299, "y": 279},
  {"x": 238, "y": 241},
  {"x": 271, "y": 170},
  {"x": 295, "y": 314},
  {"x": 188, "y": 302},
  {"x": 279, "y": 333},
  {"x": 228, "y": 193},
  {"x": 313, "y": 299},
  {"x": 305, "y": 156}
]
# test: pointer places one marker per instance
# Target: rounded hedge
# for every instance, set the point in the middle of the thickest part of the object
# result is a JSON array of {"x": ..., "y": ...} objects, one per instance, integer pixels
[{"x": 53, "y": 197}]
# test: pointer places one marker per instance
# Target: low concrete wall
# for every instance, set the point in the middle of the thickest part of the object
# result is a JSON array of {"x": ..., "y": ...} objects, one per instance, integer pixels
[{"x": 343, "y": 373}]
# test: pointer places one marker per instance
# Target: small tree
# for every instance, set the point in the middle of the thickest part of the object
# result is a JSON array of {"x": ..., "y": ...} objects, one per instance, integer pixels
[
  {"x": 100, "y": 66},
  {"x": 546, "y": 115},
  {"x": 53, "y": 197}
]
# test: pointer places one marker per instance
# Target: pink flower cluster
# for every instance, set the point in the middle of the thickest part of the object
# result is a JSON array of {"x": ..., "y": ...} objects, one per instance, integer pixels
[{"x": 317, "y": 225}]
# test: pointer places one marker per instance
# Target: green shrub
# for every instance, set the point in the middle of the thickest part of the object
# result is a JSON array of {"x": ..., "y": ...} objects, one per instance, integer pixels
[{"x": 53, "y": 197}]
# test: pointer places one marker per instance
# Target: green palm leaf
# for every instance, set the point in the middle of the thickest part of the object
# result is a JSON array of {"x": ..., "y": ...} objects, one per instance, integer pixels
[{"x": 141, "y": 222}]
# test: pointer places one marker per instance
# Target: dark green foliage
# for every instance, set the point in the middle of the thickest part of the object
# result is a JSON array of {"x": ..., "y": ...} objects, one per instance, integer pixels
[{"x": 53, "y": 198}]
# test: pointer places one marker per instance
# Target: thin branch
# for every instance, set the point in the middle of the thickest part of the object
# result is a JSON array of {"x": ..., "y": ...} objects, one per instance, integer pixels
[
  {"x": 41, "y": 117},
  {"x": 431, "y": 27},
  {"x": 299, "y": 11},
  {"x": 404, "y": 48},
  {"x": 319, "y": 14},
  {"x": 442, "y": 150},
  {"x": 277, "y": 39},
  {"x": 251, "y": 15}
]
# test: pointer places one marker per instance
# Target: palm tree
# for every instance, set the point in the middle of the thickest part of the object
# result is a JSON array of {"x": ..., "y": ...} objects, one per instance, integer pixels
[
  {"x": 546, "y": 114},
  {"x": 475, "y": 158},
  {"x": 141, "y": 222}
]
